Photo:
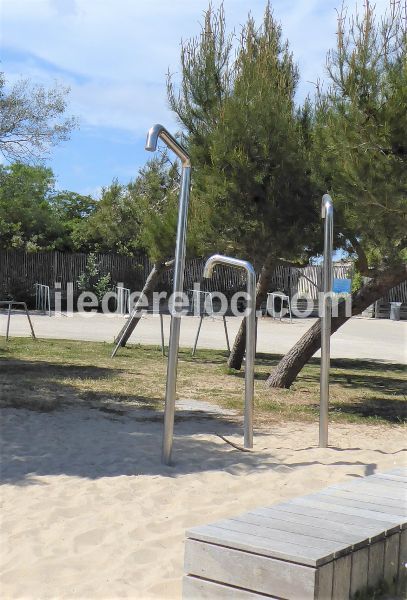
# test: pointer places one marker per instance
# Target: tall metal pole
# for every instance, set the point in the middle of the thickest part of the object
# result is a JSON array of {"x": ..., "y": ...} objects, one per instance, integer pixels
[
  {"x": 327, "y": 279},
  {"x": 158, "y": 131},
  {"x": 218, "y": 259}
]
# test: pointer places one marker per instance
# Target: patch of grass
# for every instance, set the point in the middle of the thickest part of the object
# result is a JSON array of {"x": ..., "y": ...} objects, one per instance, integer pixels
[{"x": 47, "y": 374}]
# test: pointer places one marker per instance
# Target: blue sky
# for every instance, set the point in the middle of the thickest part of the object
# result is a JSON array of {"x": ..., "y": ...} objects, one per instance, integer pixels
[{"x": 114, "y": 56}]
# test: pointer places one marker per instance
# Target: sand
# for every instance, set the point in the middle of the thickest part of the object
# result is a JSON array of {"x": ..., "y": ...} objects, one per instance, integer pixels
[{"x": 89, "y": 512}]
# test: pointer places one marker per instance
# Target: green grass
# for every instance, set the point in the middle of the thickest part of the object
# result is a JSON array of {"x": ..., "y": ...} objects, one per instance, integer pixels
[{"x": 47, "y": 374}]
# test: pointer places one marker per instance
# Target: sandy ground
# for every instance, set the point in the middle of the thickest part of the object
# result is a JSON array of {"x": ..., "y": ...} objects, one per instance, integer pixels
[
  {"x": 378, "y": 339},
  {"x": 89, "y": 512}
]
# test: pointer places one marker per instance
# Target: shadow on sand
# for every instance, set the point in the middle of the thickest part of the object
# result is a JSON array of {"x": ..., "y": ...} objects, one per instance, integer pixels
[
  {"x": 85, "y": 435},
  {"x": 88, "y": 443}
]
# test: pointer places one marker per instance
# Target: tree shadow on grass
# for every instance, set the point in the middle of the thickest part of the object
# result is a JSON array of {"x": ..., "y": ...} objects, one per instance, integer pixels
[
  {"x": 45, "y": 386},
  {"x": 359, "y": 374},
  {"x": 365, "y": 365},
  {"x": 385, "y": 409},
  {"x": 352, "y": 375},
  {"x": 361, "y": 381}
]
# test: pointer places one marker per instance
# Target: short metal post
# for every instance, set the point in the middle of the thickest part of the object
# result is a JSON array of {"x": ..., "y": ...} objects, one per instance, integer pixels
[
  {"x": 255, "y": 338},
  {"x": 8, "y": 321},
  {"x": 327, "y": 279},
  {"x": 29, "y": 320},
  {"x": 212, "y": 261},
  {"x": 162, "y": 335},
  {"x": 226, "y": 333},
  {"x": 158, "y": 131},
  {"x": 197, "y": 334}
]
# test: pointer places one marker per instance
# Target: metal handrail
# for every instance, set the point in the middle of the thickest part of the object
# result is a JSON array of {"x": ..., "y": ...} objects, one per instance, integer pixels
[{"x": 218, "y": 259}]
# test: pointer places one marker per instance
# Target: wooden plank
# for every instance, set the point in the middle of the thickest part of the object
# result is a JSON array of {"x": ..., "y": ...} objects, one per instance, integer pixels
[
  {"x": 249, "y": 571},
  {"x": 372, "y": 488},
  {"x": 194, "y": 588},
  {"x": 386, "y": 511},
  {"x": 355, "y": 499},
  {"x": 391, "y": 558},
  {"x": 321, "y": 546},
  {"x": 394, "y": 487},
  {"x": 360, "y": 565},
  {"x": 376, "y": 530},
  {"x": 368, "y": 499},
  {"x": 376, "y": 563},
  {"x": 325, "y": 501},
  {"x": 380, "y": 479},
  {"x": 251, "y": 543},
  {"x": 389, "y": 479},
  {"x": 402, "y": 471},
  {"x": 324, "y": 582},
  {"x": 348, "y": 538},
  {"x": 381, "y": 487},
  {"x": 341, "y": 578},
  {"x": 402, "y": 570}
]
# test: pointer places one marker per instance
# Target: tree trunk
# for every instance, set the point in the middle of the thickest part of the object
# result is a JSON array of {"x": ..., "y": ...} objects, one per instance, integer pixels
[
  {"x": 292, "y": 363},
  {"x": 149, "y": 287},
  {"x": 263, "y": 286}
]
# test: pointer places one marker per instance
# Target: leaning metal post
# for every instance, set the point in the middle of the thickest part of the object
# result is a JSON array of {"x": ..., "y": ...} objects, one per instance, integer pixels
[
  {"x": 327, "y": 279},
  {"x": 158, "y": 131},
  {"x": 218, "y": 259}
]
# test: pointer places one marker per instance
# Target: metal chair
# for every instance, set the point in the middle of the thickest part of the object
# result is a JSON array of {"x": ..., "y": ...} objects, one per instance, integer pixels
[
  {"x": 10, "y": 304},
  {"x": 43, "y": 298},
  {"x": 123, "y": 300},
  {"x": 202, "y": 304},
  {"x": 271, "y": 308}
]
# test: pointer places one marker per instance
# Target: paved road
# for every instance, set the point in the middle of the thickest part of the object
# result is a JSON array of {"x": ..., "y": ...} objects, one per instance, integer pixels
[{"x": 378, "y": 339}]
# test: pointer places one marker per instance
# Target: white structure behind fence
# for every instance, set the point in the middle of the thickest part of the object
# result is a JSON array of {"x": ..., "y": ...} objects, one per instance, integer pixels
[
  {"x": 43, "y": 298},
  {"x": 123, "y": 300}
]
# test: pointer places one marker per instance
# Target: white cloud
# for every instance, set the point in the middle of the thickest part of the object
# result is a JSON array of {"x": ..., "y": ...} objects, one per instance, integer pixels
[{"x": 115, "y": 53}]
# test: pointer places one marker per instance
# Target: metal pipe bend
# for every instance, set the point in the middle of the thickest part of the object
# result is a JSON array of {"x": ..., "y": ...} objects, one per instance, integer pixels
[
  {"x": 219, "y": 259},
  {"x": 327, "y": 206},
  {"x": 159, "y": 131}
]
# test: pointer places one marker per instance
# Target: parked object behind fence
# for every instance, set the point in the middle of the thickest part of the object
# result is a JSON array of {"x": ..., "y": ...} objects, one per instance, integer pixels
[{"x": 43, "y": 298}]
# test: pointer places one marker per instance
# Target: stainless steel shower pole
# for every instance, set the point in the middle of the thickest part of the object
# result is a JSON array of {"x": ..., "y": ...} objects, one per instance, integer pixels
[
  {"x": 327, "y": 279},
  {"x": 158, "y": 131},
  {"x": 218, "y": 259}
]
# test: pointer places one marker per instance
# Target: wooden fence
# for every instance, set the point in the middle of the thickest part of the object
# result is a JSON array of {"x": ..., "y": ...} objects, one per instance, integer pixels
[
  {"x": 23, "y": 270},
  {"x": 19, "y": 271}
]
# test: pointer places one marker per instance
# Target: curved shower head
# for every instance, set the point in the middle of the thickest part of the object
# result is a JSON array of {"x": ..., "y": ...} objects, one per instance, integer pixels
[{"x": 159, "y": 131}]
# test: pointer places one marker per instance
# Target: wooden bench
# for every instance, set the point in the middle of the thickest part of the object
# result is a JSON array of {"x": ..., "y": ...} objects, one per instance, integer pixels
[{"x": 327, "y": 546}]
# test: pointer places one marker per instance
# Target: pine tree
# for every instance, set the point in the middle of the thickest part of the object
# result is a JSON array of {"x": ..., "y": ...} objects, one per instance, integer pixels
[
  {"x": 360, "y": 156},
  {"x": 248, "y": 146}
]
